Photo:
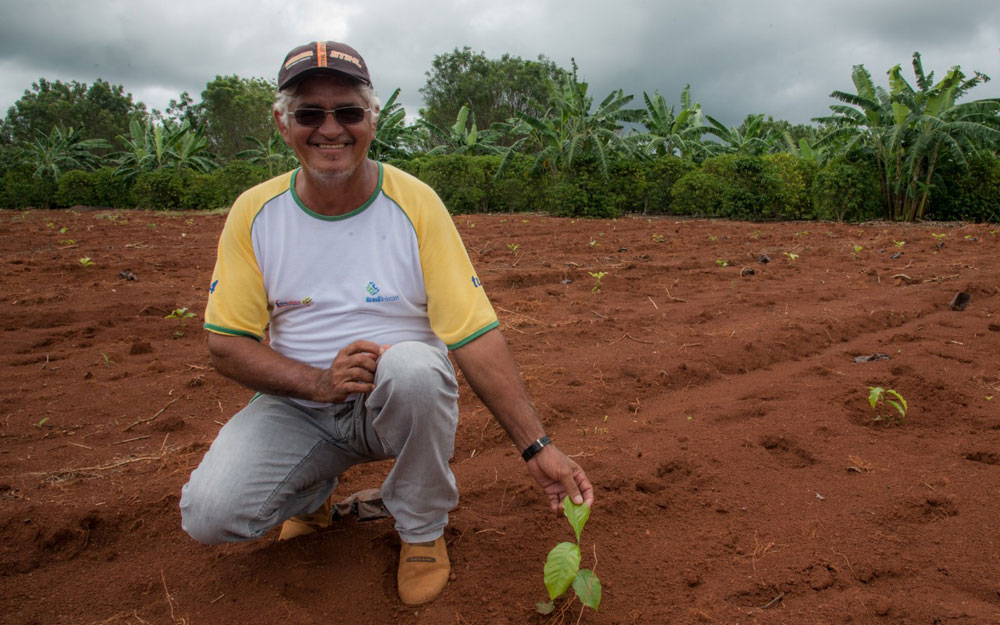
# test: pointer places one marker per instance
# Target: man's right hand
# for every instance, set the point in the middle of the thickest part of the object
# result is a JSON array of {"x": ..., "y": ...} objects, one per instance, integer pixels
[{"x": 352, "y": 371}]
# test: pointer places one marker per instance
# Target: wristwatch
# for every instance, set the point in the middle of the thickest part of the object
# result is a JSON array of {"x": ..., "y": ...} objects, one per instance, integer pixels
[{"x": 535, "y": 447}]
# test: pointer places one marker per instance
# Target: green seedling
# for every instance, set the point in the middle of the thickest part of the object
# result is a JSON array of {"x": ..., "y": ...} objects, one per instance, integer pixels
[
  {"x": 938, "y": 235},
  {"x": 856, "y": 250},
  {"x": 513, "y": 247},
  {"x": 50, "y": 225},
  {"x": 597, "y": 275},
  {"x": 562, "y": 566},
  {"x": 722, "y": 262},
  {"x": 593, "y": 243},
  {"x": 180, "y": 314},
  {"x": 791, "y": 255},
  {"x": 86, "y": 262},
  {"x": 713, "y": 238},
  {"x": 899, "y": 243},
  {"x": 755, "y": 234},
  {"x": 658, "y": 238},
  {"x": 801, "y": 234},
  {"x": 63, "y": 230},
  {"x": 107, "y": 361},
  {"x": 42, "y": 422},
  {"x": 68, "y": 242},
  {"x": 879, "y": 397}
]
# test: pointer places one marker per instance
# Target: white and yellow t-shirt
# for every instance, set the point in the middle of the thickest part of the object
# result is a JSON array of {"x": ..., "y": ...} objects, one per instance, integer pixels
[{"x": 393, "y": 270}]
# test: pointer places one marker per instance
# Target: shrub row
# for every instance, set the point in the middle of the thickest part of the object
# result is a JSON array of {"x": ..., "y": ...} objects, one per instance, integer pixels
[
  {"x": 162, "y": 189},
  {"x": 736, "y": 186}
]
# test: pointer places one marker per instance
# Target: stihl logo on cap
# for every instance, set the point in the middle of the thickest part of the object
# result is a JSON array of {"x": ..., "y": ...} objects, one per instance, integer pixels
[{"x": 345, "y": 57}]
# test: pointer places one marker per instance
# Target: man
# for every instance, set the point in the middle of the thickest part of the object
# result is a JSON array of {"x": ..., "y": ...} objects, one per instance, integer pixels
[{"x": 358, "y": 272}]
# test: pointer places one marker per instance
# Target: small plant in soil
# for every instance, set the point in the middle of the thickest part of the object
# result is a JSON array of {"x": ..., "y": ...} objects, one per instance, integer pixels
[
  {"x": 597, "y": 275},
  {"x": 107, "y": 361},
  {"x": 562, "y": 566},
  {"x": 879, "y": 398},
  {"x": 513, "y": 247},
  {"x": 722, "y": 262},
  {"x": 658, "y": 238},
  {"x": 86, "y": 262},
  {"x": 899, "y": 244},
  {"x": 856, "y": 250},
  {"x": 791, "y": 255},
  {"x": 180, "y": 314}
]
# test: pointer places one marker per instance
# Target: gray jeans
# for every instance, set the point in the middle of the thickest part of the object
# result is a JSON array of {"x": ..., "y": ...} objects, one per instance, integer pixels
[{"x": 276, "y": 459}]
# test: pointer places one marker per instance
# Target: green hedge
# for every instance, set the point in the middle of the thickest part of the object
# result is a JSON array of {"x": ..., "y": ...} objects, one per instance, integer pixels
[
  {"x": 970, "y": 193},
  {"x": 20, "y": 189},
  {"x": 734, "y": 186},
  {"x": 847, "y": 191}
]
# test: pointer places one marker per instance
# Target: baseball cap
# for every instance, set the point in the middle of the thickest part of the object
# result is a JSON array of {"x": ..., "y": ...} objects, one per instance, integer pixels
[{"x": 322, "y": 57}]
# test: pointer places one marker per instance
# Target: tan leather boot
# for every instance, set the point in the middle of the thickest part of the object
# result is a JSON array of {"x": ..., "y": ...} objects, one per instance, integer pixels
[
  {"x": 423, "y": 571},
  {"x": 307, "y": 523}
]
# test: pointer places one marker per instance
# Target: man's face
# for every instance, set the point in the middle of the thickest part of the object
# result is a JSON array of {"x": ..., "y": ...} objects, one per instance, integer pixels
[{"x": 330, "y": 151}]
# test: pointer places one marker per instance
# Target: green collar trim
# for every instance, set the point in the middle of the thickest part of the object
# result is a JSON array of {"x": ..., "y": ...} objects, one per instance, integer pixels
[{"x": 311, "y": 213}]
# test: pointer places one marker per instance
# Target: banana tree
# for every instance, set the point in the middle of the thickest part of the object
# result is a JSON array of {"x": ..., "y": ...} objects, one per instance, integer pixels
[
  {"x": 679, "y": 134},
  {"x": 152, "y": 146},
  {"x": 62, "y": 149},
  {"x": 393, "y": 138},
  {"x": 571, "y": 130},
  {"x": 274, "y": 154},
  {"x": 750, "y": 137},
  {"x": 463, "y": 137},
  {"x": 909, "y": 130}
]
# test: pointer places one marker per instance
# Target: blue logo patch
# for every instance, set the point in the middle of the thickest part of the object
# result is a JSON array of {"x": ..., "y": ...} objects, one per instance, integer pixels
[
  {"x": 475, "y": 282},
  {"x": 211, "y": 289},
  {"x": 375, "y": 298}
]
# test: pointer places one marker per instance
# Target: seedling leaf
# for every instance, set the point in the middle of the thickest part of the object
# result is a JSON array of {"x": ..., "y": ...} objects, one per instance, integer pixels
[
  {"x": 874, "y": 394},
  {"x": 576, "y": 514},
  {"x": 561, "y": 566},
  {"x": 901, "y": 400},
  {"x": 588, "y": 588}
]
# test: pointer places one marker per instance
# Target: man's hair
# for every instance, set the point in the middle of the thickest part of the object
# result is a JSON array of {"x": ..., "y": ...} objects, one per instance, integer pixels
[{"x": 283, "y": 100}]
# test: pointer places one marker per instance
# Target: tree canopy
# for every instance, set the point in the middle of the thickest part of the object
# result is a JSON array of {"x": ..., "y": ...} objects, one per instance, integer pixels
[
  {"x": 99, "y": 111},
  {"x": 494, "y": 90}
]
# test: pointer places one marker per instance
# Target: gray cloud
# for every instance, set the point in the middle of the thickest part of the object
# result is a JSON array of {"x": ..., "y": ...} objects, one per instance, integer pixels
[{"x": 779, "y": 57}]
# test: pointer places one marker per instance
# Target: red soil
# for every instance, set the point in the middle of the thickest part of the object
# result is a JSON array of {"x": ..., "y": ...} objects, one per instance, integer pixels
[{"x": 740, "y": 477}]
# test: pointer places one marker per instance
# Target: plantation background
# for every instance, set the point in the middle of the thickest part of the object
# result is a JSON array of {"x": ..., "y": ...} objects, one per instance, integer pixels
[{"x": 508, "y": 135}]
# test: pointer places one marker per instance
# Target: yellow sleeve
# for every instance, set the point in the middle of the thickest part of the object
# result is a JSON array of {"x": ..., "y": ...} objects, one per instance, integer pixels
[
  {"x": 457, "y": 305},
  {"x": 237, "y": 302}
]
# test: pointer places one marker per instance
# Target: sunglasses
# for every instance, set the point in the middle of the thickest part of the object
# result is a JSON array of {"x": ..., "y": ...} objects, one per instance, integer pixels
[{"x": 345, "y": 115}]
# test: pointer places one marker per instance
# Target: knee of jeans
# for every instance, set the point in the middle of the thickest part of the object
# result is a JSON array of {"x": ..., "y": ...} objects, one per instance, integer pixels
[
  {"x": 210, "y": 517},
  {"x": 417, "y": 370}
]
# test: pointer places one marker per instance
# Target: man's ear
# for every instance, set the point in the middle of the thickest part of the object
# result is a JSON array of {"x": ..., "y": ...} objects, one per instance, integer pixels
[{"x": 282, "y": 128}]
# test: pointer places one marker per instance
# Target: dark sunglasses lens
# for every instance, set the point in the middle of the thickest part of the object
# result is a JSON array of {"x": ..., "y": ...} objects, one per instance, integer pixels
[
  {"x": 349, "y": 115},
  {"x": 310, "y": 117}
]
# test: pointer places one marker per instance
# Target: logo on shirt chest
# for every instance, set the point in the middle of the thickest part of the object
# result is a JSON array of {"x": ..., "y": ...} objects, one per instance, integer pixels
[
  {"x": 290, "y": 303},
  {"x": 375, "y": 296}
]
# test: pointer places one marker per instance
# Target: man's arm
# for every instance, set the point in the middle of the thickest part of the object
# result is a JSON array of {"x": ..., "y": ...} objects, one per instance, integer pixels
[
  {"x": 258, "y": 367},
  {"x": 490, "y": 370}
]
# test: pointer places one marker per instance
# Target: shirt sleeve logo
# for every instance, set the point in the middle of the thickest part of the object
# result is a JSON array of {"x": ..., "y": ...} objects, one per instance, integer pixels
[{"x": 476, "y": 283}]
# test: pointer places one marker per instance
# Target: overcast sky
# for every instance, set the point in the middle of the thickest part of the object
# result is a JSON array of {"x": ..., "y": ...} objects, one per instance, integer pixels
[{"x": 777, "y": 57}]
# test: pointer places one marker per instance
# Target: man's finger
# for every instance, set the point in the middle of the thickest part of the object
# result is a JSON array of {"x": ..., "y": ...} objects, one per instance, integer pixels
[{"x": 569, "y": 485}]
